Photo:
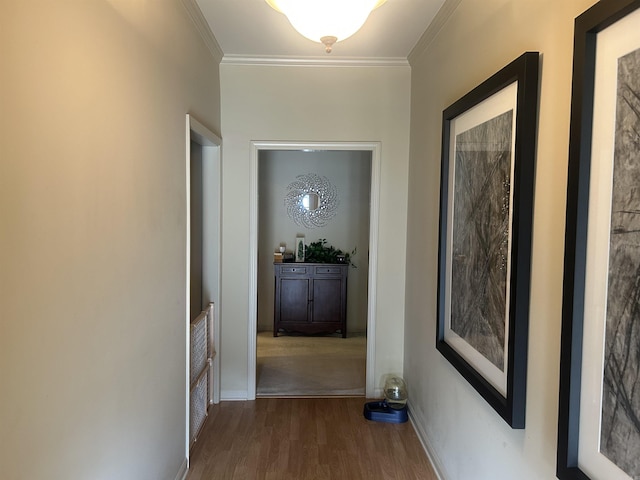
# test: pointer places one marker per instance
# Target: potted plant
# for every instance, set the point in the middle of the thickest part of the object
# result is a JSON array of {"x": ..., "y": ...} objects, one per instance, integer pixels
[{"x": 321, "y": 252}]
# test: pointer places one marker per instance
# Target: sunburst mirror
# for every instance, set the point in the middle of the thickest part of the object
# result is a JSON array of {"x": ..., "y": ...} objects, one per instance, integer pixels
[{"x": 311, "y": 200}]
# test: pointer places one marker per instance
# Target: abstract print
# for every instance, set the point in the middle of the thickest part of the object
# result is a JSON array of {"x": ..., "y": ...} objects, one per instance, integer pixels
[
  {"x": 479, "y": 265},
  {"x": 620, "y": 427}
]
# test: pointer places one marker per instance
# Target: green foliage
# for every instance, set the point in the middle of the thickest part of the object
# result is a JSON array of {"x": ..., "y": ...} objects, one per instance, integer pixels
[{"x": 321, "y": 252}]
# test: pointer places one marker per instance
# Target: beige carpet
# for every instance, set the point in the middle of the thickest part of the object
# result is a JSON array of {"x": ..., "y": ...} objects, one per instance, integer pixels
[{"x": 310, "y": 366}]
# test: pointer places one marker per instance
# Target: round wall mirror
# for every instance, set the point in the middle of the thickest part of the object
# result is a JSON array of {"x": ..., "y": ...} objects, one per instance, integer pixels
[{"x": 311, "y": 200}]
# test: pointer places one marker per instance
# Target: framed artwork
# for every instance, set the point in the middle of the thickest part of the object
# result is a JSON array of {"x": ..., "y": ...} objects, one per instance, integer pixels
[
  {"x": 299, "y": 253},
  {"x": 599, "y": 408},
  {"x": 486, "y": 203}
]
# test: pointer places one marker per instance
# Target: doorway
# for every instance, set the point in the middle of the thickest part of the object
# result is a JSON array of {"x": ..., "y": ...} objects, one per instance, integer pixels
[
  {"x": 274, "y": 165},
  {"x": 202, "y": 283}
]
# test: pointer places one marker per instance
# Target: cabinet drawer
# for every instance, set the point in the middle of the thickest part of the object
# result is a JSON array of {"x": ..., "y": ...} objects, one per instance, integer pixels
[
  {"x": 293, "y": 269},
  {"x": 328, "y": 270}
]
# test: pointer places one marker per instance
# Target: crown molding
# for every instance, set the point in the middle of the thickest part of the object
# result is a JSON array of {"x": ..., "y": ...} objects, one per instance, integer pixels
[
  {"x": 267, "y": 60},
  {"x": 443, "y": 15},
  {"x": 202, "y": 26}
]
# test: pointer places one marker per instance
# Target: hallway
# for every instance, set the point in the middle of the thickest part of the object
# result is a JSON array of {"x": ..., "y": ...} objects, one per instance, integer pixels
[{"x": 297, "y": 439}]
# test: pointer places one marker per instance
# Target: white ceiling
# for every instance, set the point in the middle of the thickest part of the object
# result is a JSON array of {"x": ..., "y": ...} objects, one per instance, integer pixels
[{"x": 252, "y": 29}]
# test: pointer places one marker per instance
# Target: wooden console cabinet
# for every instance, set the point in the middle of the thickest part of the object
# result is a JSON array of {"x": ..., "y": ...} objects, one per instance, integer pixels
[{"x": 310, "y": 298}]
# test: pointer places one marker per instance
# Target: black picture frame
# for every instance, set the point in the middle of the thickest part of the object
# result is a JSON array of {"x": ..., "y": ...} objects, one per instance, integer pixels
[
  {"x": 579, "y": 360},
  {"x": 518, "y": 82}
]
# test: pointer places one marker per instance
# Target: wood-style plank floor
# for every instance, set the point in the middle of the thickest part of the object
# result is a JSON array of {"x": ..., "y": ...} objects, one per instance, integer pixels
[{"x": 304, "y": 439}]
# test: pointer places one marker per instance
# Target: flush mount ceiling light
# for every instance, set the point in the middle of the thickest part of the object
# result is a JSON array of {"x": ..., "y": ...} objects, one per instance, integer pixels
[{"x": 326, "y": 21}]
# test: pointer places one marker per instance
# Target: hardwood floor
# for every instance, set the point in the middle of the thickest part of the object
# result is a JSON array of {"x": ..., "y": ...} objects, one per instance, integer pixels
[{"x": 305, "y": 438}]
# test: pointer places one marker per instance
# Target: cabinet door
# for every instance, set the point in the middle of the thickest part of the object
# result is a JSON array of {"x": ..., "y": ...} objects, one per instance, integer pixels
[
  {"x": 294, "y": 300},
  {"x": 327, "y": 300}
]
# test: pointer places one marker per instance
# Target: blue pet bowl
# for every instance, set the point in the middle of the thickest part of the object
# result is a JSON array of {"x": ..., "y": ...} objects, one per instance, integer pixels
[{"x": 382, "y": 412}]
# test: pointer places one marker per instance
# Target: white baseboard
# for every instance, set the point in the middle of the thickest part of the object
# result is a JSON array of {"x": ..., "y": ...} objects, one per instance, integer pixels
[
  {"x": 233, "y": 395},
  {"x": 426, "y": 444},
  {"x": 184, "y": 469}
]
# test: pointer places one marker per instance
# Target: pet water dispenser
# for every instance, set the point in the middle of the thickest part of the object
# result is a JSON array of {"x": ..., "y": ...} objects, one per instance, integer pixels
[{"x": 393, "y": 409}]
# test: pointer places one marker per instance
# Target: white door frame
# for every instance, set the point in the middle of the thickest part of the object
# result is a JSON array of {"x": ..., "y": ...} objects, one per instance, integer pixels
[
  {"x": 374, "y": 148},
  {"x": 211, "y": 172}
]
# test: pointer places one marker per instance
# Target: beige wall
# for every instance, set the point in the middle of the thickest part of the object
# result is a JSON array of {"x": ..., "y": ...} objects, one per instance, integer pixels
[
  {"x": 92, "y": 234},
  {"x": 332, "y": 104},
  {"x": 469, "y": 439}
]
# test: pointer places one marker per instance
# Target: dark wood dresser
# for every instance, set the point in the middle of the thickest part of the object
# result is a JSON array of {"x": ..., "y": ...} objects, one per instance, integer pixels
[{"x": 310, "y": 298}]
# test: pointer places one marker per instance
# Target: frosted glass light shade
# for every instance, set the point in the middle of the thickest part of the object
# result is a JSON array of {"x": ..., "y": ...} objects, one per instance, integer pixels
[{"x": 326, "y": 21}]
